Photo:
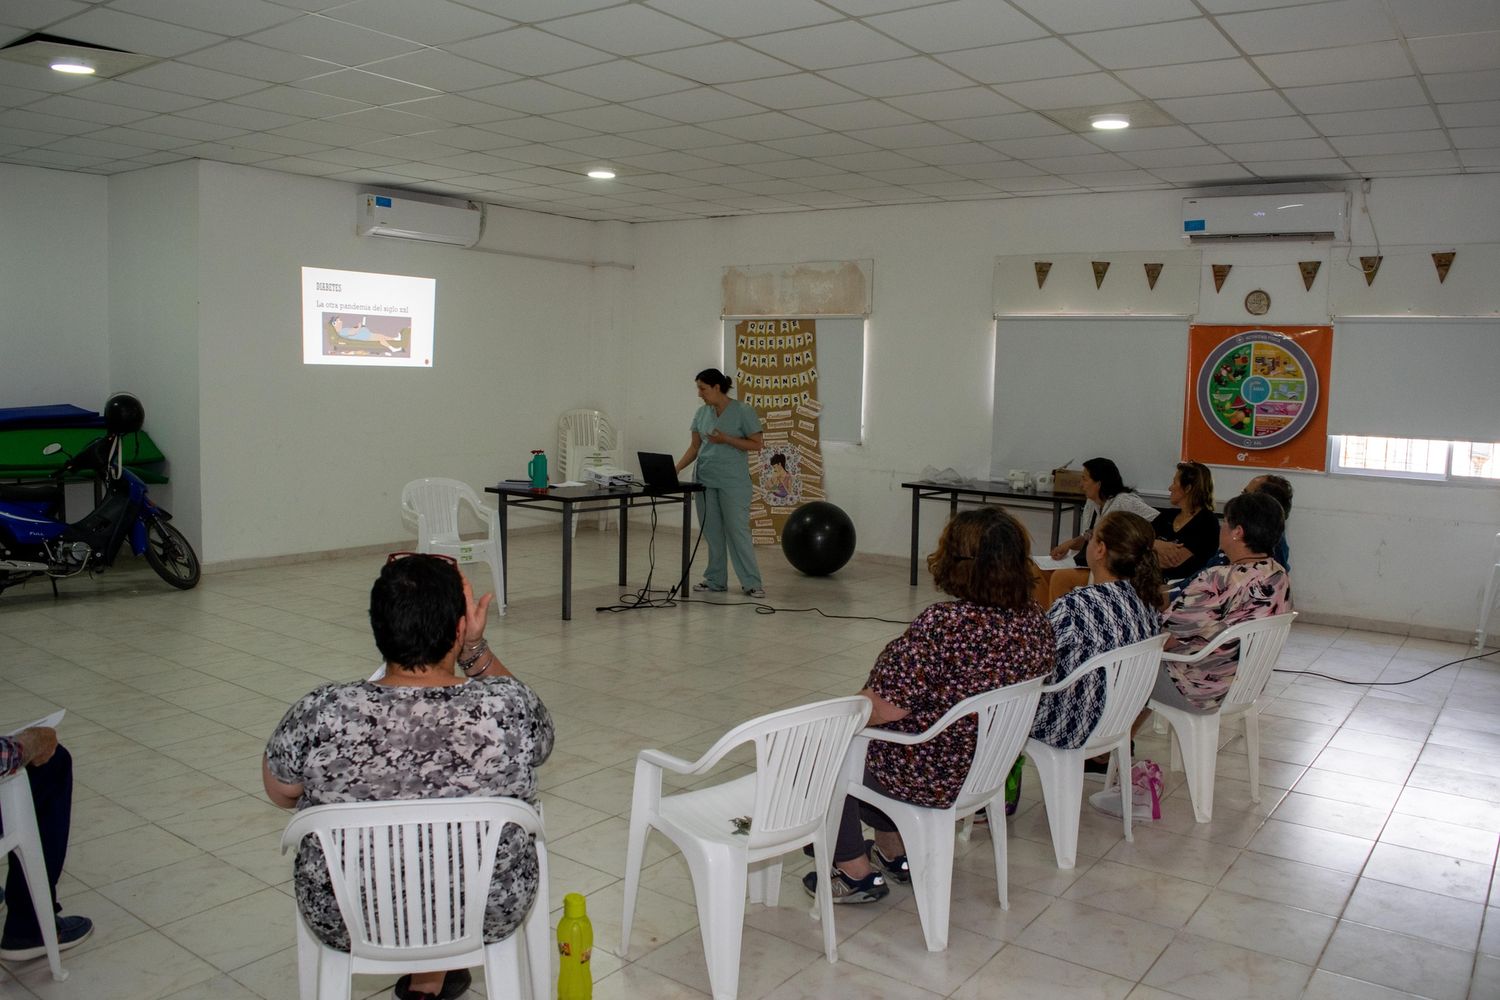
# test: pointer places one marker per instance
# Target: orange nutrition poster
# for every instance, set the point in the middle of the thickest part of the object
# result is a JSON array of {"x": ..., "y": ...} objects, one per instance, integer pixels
[{"x": 1258, "y": 396}]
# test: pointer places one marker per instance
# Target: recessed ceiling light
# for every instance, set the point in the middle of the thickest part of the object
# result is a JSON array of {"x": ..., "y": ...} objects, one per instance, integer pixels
[
  {"x": 602, "y": 175},
  {"x": 74, "y": 66},
  {"x": 1110, "y": 122}
]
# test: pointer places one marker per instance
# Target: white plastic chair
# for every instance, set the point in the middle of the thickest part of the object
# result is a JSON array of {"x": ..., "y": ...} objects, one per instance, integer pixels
[
  {"x": 435, "y": 504},
  {"x": 582, "y": 434},
  {"x": 18, "y": 814},
  {"x": 1129, "y": 674},
  {"x": 412, "y": 879},
  {"x": 1004, "y": 718},
  {"x": 1195, "y": 735},
  {"x": 1487, "y": 606},
  {"x": 797, "y": 756}
]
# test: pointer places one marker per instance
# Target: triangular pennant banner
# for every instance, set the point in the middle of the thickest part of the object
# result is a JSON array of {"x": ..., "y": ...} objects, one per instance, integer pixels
[
  {"x": 1371, "y": 266},
  {"x": 1153, "y": 271},
  {"x": 1101, "y": 268},
  {"x": 1042, "y": 267},
  {"x": 1443, "y": 261},
  {"x": 1309, "y": 269},
  {"x": 1221, "y": 271}
]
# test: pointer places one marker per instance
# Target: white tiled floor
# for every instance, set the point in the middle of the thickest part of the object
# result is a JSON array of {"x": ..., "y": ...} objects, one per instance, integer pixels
[{"x": 1366, "y": 870}]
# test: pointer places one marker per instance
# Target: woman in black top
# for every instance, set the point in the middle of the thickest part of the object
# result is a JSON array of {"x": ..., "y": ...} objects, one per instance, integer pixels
[{"x": 1187, "y": 536}]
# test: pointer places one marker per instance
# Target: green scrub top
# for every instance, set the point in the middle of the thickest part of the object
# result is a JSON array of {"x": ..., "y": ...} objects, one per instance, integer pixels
[{"x": 723, "y": 466}]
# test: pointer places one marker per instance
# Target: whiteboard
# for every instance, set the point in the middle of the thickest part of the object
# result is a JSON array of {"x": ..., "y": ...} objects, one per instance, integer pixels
[{"x": 1072, "y": 388}]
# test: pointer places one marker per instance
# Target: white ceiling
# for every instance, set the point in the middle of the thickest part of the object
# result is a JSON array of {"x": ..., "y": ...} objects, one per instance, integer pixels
[{"x": 732, "y": 107}]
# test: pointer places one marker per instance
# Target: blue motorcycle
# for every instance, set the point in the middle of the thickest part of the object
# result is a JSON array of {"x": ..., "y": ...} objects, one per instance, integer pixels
[{"x": 35, "y": 540}]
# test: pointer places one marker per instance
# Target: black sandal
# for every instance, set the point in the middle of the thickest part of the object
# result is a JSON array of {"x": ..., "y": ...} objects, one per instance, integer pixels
[{"x": 456, "y": 983}]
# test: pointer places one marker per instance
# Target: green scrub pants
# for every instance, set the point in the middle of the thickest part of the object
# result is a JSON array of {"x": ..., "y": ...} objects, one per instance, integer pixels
[{"x": 724, "y": 513}]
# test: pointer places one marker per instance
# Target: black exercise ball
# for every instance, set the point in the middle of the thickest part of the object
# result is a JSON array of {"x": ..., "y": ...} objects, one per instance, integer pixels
[
  {"x": 818, "y": 538},
  {"x": 123, "y": 414}
]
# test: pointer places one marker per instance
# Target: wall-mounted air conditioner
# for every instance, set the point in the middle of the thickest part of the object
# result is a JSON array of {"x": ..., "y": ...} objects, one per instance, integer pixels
[
  {"x": 1297, "y": 216},
  {"x": 409, "y": 219}
]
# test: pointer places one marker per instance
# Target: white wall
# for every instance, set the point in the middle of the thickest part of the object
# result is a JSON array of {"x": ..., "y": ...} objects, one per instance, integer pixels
[
  {"x": 54, "y": 249},
  {"x": 153, "y": 323},
  {"x": 1404, "y": 553},
  {"x": 307, "y": 458}
]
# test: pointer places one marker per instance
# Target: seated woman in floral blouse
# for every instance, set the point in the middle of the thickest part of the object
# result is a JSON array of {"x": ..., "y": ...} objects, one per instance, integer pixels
[
  {"x": 1252, "y": 585},
  {"x": 992, "y": 635},
  {"x": 422, "y": 731}
]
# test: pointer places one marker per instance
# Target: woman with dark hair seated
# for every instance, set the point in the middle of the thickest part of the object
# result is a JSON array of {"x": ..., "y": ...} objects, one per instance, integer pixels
[
  {"x": 1187, "y": 536},
  {"x": 1106, "y": 492},
  {"x": 422, "y": 731},
  {"x": 1252, "y": 585},
  {"x": 992, "y": 635},
  {"x": 1121, "y": 606}
]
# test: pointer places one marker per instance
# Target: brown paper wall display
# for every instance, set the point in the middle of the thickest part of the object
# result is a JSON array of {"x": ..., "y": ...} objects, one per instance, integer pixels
[
  {"x": 1042, "y": 269},
  {"x": 1153, "y": 271},
  {"x": 1309, "y": 269},
  {"x": 1443, "y": 261},
  {"x": 1101, "y": 268},
  {"x": 1221, "y": 271},
  {"x": 1371, "y": 267},
  {"x": 776, "y": 371}
]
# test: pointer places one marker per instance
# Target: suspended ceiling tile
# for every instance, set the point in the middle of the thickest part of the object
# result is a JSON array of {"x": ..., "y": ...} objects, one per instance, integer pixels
[
  {"x": 1148, "y": 159},
  {"x": 612, "y": 118},
  {"x": 943, "y": 105},
  {"x": 259, "y": 62},
  {"x": 701, "y": 104},
  {"x": 528, "y": 52},
  {"x": 302, "y": 103},
  {"x": 431, "y": 22},
  {"x": 357, "y": 85},
  {"x": 222, "y": 17},
  {"x": 629, "y": 30},
  {"x": 917, "y": 75},
  {"x": 855, "y": 115},
  {"x": 1196, "y": 79},
  {"x": 720, "y": 62},
  {"x": 1454, "y": 88},
  {"x": 89, "y": 111},
  {"x": 1163, "y": 137},
  {"x": 458, "y": 110},
  {"x": 1391, "y": 142},
  {"x": 1457, "y": 53},
  {"x": 735, "y": 20},
  {"x": 1255, "y": 129},
  {"x": 770, "y": 125},
  {"x": 1445, "y": 160},
  {"x": 1064, "y": 16},
  {"x": 1445, "y": 17},
  {"x": 1195, "y": 40},
  {"x": 1227, "y": 107},
  {"x": 1068, "y": 91},
  {"x": 1385, "y": 120},
  {"x": 1309, "y": 26},
  {"x": 1344, "y": 64},
  {"x": 619, "y": 80},
  {"x": 440, "y": 70},
  {"x": 1281, "y": 149},
  {"x": 118, "y": 30},
  {"x": 532, "y": 97},
  {"x": 1031, "y": 60},
  {"x": 324, "y": 38},
  {"x": 957, "y": 24},
  {"x": 823, "y": 145},
  {"x": 800, "y": 90},
  {"x": 1472, "y": 113},
  {"x": 1398, "y": 93},
  {"x": 906, "y": 136},
  {"x": 843, "y": 43},
  {"x": 996, "y": 127}
]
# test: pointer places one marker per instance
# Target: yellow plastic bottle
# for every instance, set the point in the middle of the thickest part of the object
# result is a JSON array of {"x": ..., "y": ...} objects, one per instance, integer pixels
[{"x": 575, "y": 946}]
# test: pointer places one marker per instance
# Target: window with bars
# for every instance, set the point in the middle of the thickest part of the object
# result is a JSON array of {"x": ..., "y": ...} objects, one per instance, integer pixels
[{"x": 1414, "y": 458}]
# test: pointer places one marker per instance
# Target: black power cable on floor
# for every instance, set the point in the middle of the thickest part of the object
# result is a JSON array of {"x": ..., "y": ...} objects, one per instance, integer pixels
[{"x": 1341, "y": 680}]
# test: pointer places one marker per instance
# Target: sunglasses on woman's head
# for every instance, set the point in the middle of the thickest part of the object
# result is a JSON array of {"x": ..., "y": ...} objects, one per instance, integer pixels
[{"x": 429, "y": 555}]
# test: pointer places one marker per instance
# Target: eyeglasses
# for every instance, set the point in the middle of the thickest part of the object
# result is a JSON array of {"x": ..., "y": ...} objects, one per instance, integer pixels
[{"x": 429, "y": 555}]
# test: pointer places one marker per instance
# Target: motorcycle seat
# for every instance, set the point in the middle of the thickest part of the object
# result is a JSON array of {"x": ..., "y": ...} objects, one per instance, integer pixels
[{"x": 40, "y": 492}]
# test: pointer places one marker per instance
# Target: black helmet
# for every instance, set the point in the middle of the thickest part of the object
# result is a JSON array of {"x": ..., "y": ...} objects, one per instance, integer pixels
[{"x": 123, "y": 414}]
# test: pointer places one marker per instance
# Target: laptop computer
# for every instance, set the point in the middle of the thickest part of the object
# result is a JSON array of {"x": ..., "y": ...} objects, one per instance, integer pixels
[{"x": 658, "y": 471}]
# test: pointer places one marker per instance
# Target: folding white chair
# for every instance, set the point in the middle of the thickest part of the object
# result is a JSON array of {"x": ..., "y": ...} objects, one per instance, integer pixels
[
  {"x": 18, "y": 814},
  {"x": 435, "y": 505},
  {"x": 1004, "y": 718},
  {"x": 1195, "y": 735},
  {"x": 1129, "y": 674},
  {"x": 797, "y": 756},
  {"x": 412, "y": 880}
]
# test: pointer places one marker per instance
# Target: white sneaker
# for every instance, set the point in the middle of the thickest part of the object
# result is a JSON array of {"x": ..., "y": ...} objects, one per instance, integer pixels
[
  {"x": 704, "y": 587},
  {"x": 755, "y": 592}
]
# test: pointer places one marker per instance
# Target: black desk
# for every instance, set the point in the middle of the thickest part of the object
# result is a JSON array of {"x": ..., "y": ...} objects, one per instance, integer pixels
[
  {"x": 571, "y": 501},
  {"x": 983, "y": 492}
]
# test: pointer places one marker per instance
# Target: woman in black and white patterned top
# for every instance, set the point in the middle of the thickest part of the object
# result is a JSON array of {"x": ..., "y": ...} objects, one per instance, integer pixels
[
  {"x": 1120, "y": 607},
  {"x": 422, "y": 731}
]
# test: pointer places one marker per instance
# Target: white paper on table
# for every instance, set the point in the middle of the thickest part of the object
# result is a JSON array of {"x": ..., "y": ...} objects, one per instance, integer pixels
[
  {"x": 47, "y": 722},
  {"x": 1045, "y": 561}
]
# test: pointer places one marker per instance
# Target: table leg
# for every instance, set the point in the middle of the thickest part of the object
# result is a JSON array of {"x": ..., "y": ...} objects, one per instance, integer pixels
[
  {"x": 687, "y": 543},
  {"x": 624, "y": 537},
  {"x": 567, "y": 561},
  {"x": 916, "y": 520},
  {"x": 1057, "y": 522},
  {"x": 1078, "y": 520},
  {"x": 503, "y": 510}
]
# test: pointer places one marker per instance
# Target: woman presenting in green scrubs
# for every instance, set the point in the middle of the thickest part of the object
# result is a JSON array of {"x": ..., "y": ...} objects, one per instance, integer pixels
[{"x": 724, "y": 432}]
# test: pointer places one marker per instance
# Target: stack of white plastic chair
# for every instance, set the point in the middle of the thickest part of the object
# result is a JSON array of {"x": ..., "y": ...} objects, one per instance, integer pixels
[
  {"x": 1004, "y": 716},
  {"x": 1129, "y": 674},
  {"x": 585, "y": 438},
  {"x": 1195, "y": 735},
  {"x": 18, "y": 815},
  {"x": 435, "y": 505},
  {"x": 1487, "y": 606},
  {"x": 412, "y": 881},
  {"x": 781, "y": 807}
]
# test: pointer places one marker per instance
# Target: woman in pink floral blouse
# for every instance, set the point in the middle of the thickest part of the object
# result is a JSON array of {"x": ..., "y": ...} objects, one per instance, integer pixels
[{"x": 992, "y": 635}]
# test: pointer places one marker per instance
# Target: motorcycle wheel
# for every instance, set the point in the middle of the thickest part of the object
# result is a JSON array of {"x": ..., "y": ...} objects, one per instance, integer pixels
[{"x": 171, "y": 555}]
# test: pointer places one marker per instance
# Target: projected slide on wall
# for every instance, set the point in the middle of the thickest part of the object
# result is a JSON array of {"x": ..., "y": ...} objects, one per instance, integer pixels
[{"x": 358, "y": 318}]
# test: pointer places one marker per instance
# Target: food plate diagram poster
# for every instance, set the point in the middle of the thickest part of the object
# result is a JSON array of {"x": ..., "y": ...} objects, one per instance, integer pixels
[
  {"x": 776, "y": 374},
  {"x": 1257, "y": 396}
]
